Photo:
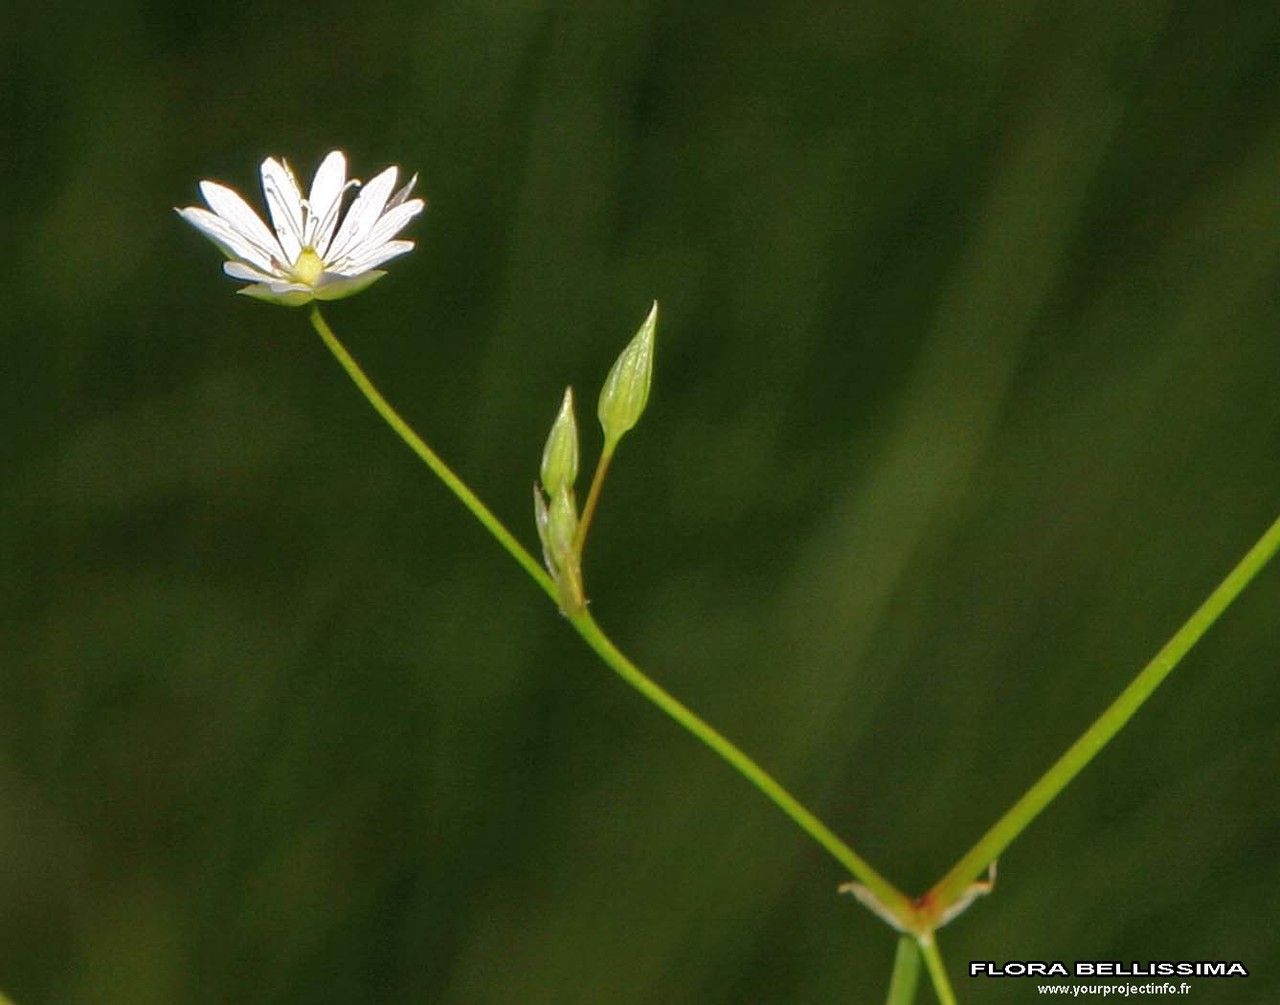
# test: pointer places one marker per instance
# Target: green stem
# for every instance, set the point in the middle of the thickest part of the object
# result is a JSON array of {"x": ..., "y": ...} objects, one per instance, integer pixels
[
  {"x": 937, "y": 972},
  {"x": 906, "y": 972},
  {"x": 429, "y": 457},
  {"x": 895, "y": 901},
  {"x": 888, "y": 895},
  {"x": 593, "y": 496},
  {"x": 1009, "y": 826}
]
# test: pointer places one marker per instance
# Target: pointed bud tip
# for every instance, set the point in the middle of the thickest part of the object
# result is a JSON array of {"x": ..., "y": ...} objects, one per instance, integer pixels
[
  {"x": 626, "y": 390},
  {"x": 560, "y": 455}
]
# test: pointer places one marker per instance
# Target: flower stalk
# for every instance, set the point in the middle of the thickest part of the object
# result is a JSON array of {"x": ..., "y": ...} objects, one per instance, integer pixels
[
  {"x": 429, "y": 457},
  {"x": 595, "y": 637},
  {"x": 952, "y": 886},
  {"x": 906, "y": 972},
  {"x": 928, "y": 944},
  {"x": 593, "y": 495}
]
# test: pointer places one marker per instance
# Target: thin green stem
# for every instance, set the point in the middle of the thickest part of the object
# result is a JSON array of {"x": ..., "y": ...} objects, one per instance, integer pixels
[
  {"x": 1009, "y": 826},
  {"x": 906, "y": 972},
  {"x": 888, "y": 895},
  {"x": 937, "y": 972},
  {"x": 892, "y": 899},
  {"x": 593, "y": 496},
  {"x": 429, "y": 457}
]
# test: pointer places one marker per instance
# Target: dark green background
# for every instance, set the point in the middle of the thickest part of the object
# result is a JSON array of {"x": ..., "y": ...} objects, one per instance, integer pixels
[{"x": 968, "y": 390}]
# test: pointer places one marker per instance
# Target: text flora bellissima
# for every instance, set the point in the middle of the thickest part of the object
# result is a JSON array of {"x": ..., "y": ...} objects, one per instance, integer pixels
[{"x": 1108, "y": 968}]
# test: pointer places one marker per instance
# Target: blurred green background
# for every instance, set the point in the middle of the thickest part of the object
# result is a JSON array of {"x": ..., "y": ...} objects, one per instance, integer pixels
[{"x": 967, "y": 393}]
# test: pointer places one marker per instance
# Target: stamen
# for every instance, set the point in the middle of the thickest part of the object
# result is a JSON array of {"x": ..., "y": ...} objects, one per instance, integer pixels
[{"x": 308, "y": 224}]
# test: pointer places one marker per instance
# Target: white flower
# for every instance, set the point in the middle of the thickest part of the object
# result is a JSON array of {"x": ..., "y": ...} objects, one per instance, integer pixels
[{"x": 310, "y": 255}]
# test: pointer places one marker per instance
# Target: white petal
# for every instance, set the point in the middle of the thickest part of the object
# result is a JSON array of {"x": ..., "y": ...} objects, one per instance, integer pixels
[
  {"x": 239, "y": 270},
  {"x": 228, "y": 204},
  {"x": 403, "y": 194},
  {"x": 363, "y": 214},
  {"x": 390, "y": 224},
  {"x": 284, "y": 202},
  {"x": 383, "y": 230},
  {"x": 375, "y": 257},
  {"x": 326, "y": 192},
  {"x": 231, "y": 241}
]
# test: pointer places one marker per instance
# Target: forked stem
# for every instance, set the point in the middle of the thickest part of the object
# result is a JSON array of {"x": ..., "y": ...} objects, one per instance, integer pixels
[
  {"x": 954, "y": 884},
  {"x": 920, "y": 917},
  {"x": 892, "y": 899}
]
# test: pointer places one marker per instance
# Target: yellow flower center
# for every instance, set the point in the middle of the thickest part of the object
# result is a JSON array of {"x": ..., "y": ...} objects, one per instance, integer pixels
[{"x": 308, "y": 268}]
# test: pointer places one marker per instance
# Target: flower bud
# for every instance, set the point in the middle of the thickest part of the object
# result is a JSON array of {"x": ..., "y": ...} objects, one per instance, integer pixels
[
  {"x": 560, "y": 455},
  {"x": 626, "y": 389},
  {"x": 557, "y": 526},
  {"x": 542, "y": 520},
  {"x": 562, "y": 525}
]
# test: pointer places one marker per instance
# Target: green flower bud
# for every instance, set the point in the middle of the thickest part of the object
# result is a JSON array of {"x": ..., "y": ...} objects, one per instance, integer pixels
[
  {"x": 626, "y": 389},
  {"x": 542, "y": 520},
  {"x": 562, "y": 525},
  {"x": 560, "y": 455},
  {"x": 557, "y": 526}
]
